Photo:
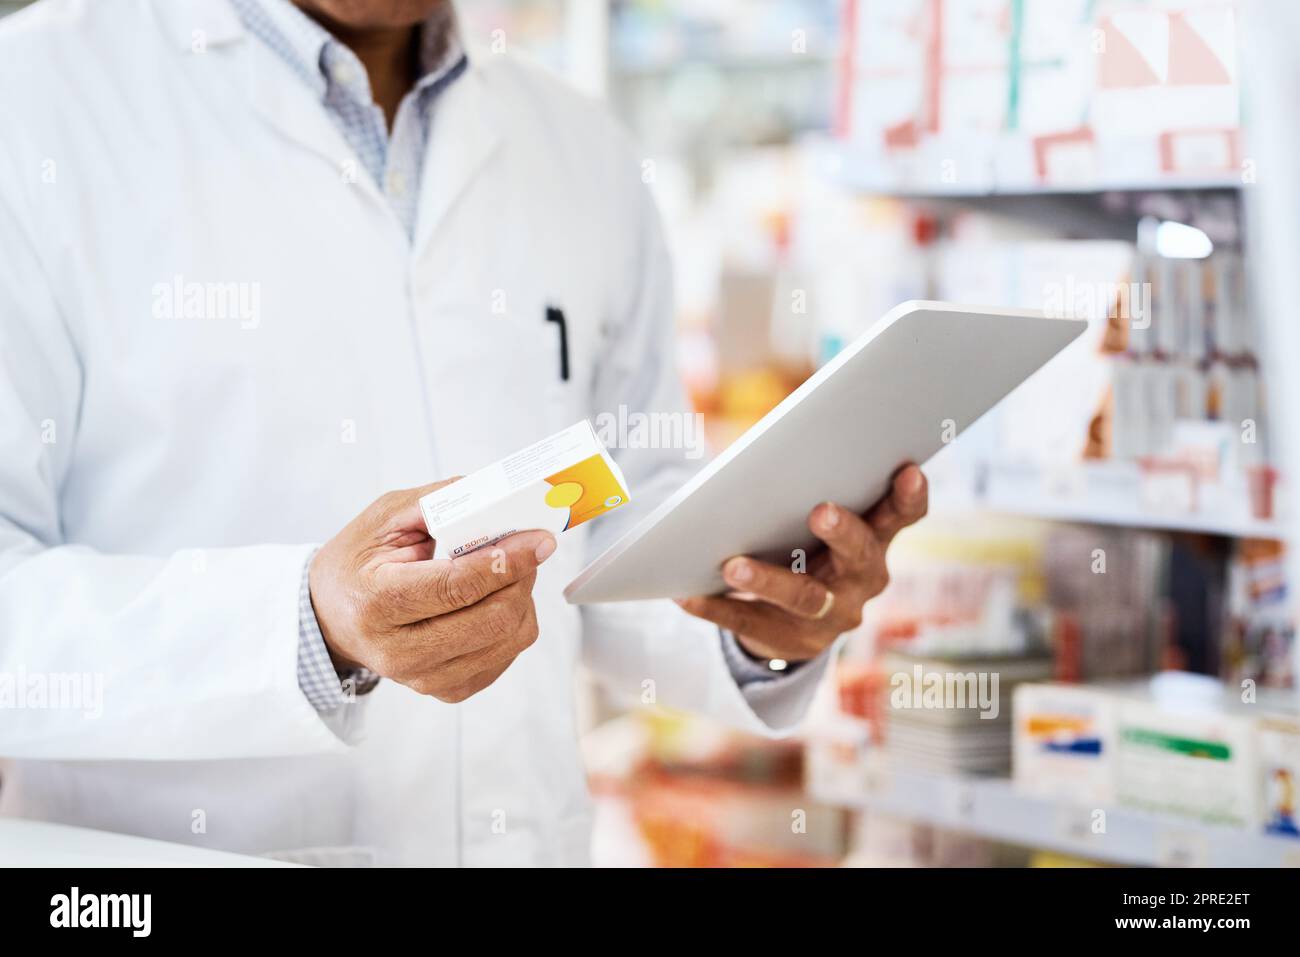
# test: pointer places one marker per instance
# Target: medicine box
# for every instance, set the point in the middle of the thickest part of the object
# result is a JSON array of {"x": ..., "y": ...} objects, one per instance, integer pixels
[
  {"x": 554, "y": 485},
  {"x": 1064, "y": 742},
  {"x": 1186, "y": 763}
]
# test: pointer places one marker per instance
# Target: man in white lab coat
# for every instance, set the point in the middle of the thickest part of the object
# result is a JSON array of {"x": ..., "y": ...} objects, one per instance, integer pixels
[{"x": 260, "y": 263}]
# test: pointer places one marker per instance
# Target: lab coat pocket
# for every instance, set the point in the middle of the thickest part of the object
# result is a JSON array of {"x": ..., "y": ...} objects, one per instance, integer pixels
[{"x": 497, "y": 384}]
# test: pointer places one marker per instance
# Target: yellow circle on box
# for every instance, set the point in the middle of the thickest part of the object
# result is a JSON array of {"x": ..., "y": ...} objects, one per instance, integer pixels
[{"x": 564, "y": 495}]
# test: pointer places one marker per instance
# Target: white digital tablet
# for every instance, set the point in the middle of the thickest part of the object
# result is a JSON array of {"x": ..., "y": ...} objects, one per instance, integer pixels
[{"x": 915, "y": 379}]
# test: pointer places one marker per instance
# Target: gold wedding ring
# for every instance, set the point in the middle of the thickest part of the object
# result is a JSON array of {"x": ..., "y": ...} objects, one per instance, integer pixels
[{"x": 827, "y": 605}]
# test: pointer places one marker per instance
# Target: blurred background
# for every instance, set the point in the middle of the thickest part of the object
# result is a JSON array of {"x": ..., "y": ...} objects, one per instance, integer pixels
[{"x": 1108, "y": 542}]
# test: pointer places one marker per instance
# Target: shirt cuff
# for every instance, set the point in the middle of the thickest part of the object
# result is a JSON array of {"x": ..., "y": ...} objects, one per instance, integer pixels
[
  {"x": 746, "y": 669},
  {"x": 324, "y": 686}
]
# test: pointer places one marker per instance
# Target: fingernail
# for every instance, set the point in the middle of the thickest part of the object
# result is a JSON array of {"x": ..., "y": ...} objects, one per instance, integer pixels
[
  {"x": 910, "y": 481},
  {"x": 545, "y": 549},
  {"x": 830, "y": 515},
  {"x": 738, "y": 571}
]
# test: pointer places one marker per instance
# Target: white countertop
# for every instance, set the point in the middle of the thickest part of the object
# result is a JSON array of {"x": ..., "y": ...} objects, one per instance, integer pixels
[{"x": 38, "y": 844}]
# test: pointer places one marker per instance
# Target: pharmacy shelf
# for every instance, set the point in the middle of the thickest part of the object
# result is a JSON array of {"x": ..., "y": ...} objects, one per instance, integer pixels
[
  {"x": 1128, "y": 515},
  {"x": 1102, "y": 497},
  {"x": 992, "y": 808},
  {"x": 864, "y": 174},
  {"x": 1132, "y": 517},
  {"x": 1095, "y": 210},
  {"x": 878, "y": 187}
]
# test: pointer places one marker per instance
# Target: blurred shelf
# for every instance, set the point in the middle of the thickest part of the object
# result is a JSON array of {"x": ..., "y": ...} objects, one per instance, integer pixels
[
  {"x": 993, "y": 809},
  {"x": 912, "y": 177},
  {"x": 1103, "y": 209},
  {"x": 1098, "y": 495},
  {"x": 880, "y": 187},
  {"x": 1133, "y": 517}
]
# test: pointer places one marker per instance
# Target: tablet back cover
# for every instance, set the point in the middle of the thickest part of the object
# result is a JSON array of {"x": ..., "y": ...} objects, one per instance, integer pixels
[{"x": 882, "y": 402}]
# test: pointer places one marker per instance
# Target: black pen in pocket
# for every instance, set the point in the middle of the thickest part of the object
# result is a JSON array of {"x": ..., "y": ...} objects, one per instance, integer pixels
[{"x": 557, "y": 316}]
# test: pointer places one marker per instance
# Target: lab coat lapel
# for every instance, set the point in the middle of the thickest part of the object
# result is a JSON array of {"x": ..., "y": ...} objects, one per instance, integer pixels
[
  {"x": 279, "y": 97},
  {"x": 465, "y": 132},
  {"x": 290, "y": 106}
]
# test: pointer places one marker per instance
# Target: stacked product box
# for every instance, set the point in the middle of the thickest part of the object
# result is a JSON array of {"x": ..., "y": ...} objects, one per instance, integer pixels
[
  {"x": 948, "y": 714},
  {"x": 980, "y": 95},
  {"x": 1185, "y": 764},
  {"x": 1212, "y": 759},
  {"x": 1063, "y": 742}
]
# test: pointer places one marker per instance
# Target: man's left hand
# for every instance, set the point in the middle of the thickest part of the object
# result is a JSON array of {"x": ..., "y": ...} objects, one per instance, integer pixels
[{"x": 778, "y": 612}]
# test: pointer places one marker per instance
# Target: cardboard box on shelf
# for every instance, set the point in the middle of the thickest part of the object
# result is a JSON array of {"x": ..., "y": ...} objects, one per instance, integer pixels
[
  {"x": 1207, "y": 756},
  {"x": 1186, "y": 763},
  {"x": 1059, "y": 95},
  {"x": 1064, "y": 742}
]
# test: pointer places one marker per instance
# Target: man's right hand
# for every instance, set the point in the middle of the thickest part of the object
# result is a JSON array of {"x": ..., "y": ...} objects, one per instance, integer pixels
[{"x": 445, "y": 627}]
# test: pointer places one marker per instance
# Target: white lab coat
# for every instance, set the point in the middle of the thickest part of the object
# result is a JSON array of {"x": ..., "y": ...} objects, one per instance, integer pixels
[{"x": 163, "y": 480}]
